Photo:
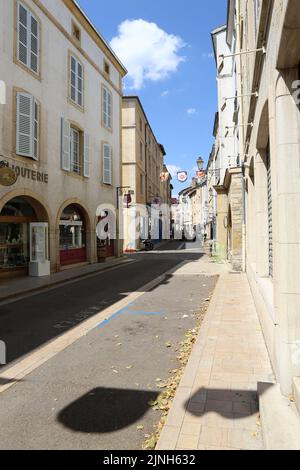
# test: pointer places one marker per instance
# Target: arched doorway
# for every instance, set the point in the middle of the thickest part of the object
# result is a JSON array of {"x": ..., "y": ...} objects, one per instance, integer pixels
[
  {"x": 72, "y": 236},
  {"x": 15, "y": 218},
  {"x": 105, "y": 234}
]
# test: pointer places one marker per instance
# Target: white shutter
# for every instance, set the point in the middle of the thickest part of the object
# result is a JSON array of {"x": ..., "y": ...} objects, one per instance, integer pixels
[
  {"x": 104, "y": 106},
  {"x": 65, "y": 145},
  {"x": 36, "y": 130},
  {"x": 23, "y": 28},
  {"x": 28, "y": 38},
  {"x": 107, "y": 164},
  {"x": 25, "y": 125},
  {"x": 109, "y": 109},
  {"x": 79, "y": 84},
  {"x": 34, "y": 44},
  {"x": 76, "y": 81},
  {"x": 86, "y": 156}
]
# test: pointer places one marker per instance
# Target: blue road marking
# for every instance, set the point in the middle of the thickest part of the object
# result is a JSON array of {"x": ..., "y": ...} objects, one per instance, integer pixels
[
  {"x": 130, "y": 312},
  {"x": 102, "y": 324}
]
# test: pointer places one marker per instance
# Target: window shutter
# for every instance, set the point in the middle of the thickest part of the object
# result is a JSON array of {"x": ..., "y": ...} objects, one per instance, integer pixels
[
  {"x": 104, "y": 105},
  {"x": 36, "y": 130},
  {"x": 109, "y": 108},
  {"x": 107, "y": 164},
  {"x": 76, "y": 91},
  {"x": 34, "y": 44},
  {"x": 23, "y": 26},
  {"x": 79, "y": 84},
  {"x": 86, "y": 157},
  {"x": 65, "y": 145},
  {"x": 28, "y": 38},
  {"x": 25, "y": 127}
]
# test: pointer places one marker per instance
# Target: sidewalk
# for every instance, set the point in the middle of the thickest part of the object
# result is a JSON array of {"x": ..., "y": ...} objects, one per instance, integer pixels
[
  {"x": 12, "y": 288},
  {"x": 216, "y": 405}
]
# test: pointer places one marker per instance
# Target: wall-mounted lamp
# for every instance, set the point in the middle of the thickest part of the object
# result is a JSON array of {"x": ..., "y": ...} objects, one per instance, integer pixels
[{"x": 200, "y": 163}]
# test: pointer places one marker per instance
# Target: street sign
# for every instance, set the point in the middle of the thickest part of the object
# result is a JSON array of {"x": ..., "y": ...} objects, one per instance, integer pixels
[
  {"x": 182, "y": 176},
  {"x": 8, "y": 176}
]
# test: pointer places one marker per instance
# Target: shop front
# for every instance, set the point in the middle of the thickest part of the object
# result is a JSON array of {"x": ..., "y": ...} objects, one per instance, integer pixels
[
  {"x": 105, "y": 245},
  {"x": 72, "y": 236},
  {"x": 19, "y": 245}
]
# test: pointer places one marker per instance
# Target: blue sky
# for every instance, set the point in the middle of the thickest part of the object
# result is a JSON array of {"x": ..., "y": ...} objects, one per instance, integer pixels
[{"x": 177, "y": 80}]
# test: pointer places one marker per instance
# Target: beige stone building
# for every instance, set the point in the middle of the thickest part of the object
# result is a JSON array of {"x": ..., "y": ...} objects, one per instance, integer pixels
[
  {"x": 143, "y": 171},
  {"x": 60, "y": 136},
  {"x": 265, "y": 192},
  {"x": 272, "y": 175},
  {"x": 225, "y": 179}
]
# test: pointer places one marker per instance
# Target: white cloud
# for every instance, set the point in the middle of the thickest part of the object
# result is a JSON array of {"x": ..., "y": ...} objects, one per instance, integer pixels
[
  {"x": 165, "y": 93},
  {"x": 191, "y": 111},
  {"x": 147, "y": 51},
  {"x": 173, "y": 170},
  {"x": 208, "y": 55}
]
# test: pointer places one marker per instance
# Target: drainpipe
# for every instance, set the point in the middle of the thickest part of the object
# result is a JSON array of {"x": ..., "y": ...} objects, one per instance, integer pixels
[
  {"x": 241, "y": 143},
  {"x": 146, "y": 174}
]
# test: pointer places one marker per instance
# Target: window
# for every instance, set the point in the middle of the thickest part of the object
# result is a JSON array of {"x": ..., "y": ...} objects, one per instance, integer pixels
[
  {"x": 27, "y": 38},
  {"x": 141, "y": 184},
  {"x": 27, "y": 132},
  {"x": 75, "y": 150},
  {"x": 106, "y": 107},
  {"x": 76, "y": 33},
  {"x": 141, "y": 151},
  {"x": 256, "y": 14},
  {"x": 106, "y": 67},
  {"x": 107, "y": 164},
  {"x": 76, "y": 81},
  {"x": 141, "y": 125}
]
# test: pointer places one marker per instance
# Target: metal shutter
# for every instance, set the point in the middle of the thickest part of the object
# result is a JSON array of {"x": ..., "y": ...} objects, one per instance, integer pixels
[{"x": 270, "y": 214}]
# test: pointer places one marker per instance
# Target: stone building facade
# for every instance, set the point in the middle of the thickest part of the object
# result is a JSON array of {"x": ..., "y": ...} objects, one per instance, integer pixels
[
  {"x": 273, "y": 179},
  {"x": 143, "y": 171},
  {"x": 269, "y": 119},
  {"x": 224, "y": 169},
  {"x": 59, "y": 131}
]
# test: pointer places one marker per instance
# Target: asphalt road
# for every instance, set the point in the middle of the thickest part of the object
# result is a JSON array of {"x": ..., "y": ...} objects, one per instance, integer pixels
[{"x": 95, "y": 393}]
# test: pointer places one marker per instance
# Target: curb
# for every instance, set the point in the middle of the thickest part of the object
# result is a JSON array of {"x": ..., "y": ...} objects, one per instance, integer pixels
[{"x": 62, "y": 281}]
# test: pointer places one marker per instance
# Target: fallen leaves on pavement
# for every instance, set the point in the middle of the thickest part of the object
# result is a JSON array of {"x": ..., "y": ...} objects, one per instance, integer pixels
[{"x": 164, "y": 401}]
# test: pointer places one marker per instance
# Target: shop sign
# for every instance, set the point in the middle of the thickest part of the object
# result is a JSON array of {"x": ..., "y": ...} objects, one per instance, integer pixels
[
  {"x": 182, "y": 176},
  {"x": 22, "y": 172},
  {"x": 8, "y": 176}
]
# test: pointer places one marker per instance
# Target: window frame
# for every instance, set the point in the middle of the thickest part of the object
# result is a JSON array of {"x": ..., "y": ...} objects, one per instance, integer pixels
[
  {"x": 27, "y": 66},
  {"x": 104, "y": 181},
  {"x": 104, "y": 120},
  {"x": 35, "y": 125},
  {"x": 78, "y": 62},
  {"x": 74, "y": 131}
]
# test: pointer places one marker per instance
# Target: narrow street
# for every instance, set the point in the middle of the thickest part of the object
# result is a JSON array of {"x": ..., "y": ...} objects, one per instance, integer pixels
[{"x": 95, "y": 394}]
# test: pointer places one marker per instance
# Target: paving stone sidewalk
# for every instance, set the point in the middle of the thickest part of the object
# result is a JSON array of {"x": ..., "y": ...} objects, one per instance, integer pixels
[{"x": 216, "y": 405}]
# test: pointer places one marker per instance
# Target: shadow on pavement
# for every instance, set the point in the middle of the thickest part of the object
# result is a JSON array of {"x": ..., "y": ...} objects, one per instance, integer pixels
[
  {"x": 106, "y": 410},
  {"x": 230, "y": 404},
  {"x": 28, "y": 323}
]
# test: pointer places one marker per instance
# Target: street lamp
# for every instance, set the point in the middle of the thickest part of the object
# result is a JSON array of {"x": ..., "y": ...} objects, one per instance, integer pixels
[{"x": 200, "y": 163}]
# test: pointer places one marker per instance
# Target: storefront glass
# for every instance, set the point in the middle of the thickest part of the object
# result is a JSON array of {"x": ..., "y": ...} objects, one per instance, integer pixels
[
  {"x": 15, "y": 218},
  {"x": 13, "y": 245},
  {"x": 72, "y": 237}
]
